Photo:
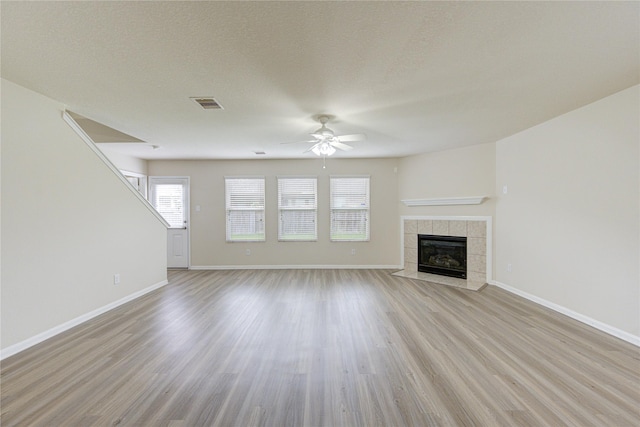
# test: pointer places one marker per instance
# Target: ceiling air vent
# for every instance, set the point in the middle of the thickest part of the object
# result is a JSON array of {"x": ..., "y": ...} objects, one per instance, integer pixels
[{"x": 208, "y": 103}]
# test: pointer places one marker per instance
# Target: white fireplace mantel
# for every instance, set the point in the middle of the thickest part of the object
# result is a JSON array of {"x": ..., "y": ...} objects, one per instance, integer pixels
[{"x": 445, "y": 201}]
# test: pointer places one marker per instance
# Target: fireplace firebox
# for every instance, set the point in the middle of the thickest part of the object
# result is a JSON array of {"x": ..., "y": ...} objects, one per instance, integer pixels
[{"x": 444, "y": 255}]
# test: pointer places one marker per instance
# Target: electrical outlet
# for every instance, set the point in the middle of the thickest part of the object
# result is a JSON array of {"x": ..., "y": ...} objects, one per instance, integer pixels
[
  {"x": 247, "y": 252},
  {"x": 505, "y": 189},
  {"x": 353, "y": 251},
  {"x": 509, "y": 268},
  {"x": 116, "y": 279}
]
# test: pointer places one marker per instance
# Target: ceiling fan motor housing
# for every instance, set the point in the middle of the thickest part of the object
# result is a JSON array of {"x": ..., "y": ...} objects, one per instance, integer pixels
[{"x": 324, "y": 132}]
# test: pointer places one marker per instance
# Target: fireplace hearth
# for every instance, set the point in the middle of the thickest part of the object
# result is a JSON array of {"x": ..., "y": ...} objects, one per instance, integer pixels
[
  {"x": 477, "y": 230},
  {"x": 443, "y": 255}
]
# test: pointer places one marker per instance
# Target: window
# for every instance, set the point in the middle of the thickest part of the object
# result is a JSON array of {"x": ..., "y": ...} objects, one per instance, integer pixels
[
  {"x": 137, "y": 180},
  {"x": 168, "y": 199},
  {"x": 349, "y": 208},
  {"x": 297, "y": 208},
  {"x": 244, "y": 201}
]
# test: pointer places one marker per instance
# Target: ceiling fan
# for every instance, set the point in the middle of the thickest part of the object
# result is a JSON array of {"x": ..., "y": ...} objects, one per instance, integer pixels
[{"x": 326, "y": 141}]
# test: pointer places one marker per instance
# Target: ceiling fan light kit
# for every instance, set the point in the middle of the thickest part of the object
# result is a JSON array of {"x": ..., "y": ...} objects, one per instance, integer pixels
[
  {"x": 323, "y": 148},
  {"x": 327, "y": 142}
]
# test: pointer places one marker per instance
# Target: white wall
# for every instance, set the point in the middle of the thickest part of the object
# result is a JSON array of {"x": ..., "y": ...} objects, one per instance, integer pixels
[
  {"x": 569, "y": 224},
  {"x": 124, "y": 162},
  {"x": 68, "y": 224},
  {"x": 208, "y": 246},
  {"x": 461, "y": 172}
]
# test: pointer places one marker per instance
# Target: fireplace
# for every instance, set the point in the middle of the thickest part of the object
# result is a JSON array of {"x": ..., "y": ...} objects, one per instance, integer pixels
[{"x": 444, "y": 255}]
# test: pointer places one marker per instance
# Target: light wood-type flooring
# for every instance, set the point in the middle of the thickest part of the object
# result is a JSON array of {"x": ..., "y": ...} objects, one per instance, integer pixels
[{"x": 323, "y": 348}]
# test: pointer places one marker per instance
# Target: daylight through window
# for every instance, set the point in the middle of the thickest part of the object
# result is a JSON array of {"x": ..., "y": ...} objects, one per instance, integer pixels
[
  {"x": 349, "y": 208},
  {"x": 244, "y": 201},
  {"x": 297, "y": 208}
]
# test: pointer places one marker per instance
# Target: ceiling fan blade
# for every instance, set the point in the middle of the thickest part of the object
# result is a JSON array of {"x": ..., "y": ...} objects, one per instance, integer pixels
[
  {"x": 341, "y": 146},
  {"x": 319, "y": 136},
  {"x": 298, "y": 142},
  {"x": 312, "y": 147},
  {"x": 354, "y": 137}
]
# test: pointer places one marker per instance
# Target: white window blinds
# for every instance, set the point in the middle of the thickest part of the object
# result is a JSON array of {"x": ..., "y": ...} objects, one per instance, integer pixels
[
  {"x": 168, "y": 199},
  {"x": 349, "y": 200},
  {"x": 297, "y": 208},
  {"x": 244, "y": 200}
]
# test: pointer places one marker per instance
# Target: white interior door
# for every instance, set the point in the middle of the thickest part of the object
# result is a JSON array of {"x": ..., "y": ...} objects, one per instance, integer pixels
[{"x": 170, "y": 197}]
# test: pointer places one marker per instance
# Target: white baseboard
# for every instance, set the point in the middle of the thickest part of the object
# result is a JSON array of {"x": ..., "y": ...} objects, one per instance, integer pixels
[
  {"x": 618, "y": 333},
  {"x": 23, "y": 345},
  {"x": 296, "y": 267}
]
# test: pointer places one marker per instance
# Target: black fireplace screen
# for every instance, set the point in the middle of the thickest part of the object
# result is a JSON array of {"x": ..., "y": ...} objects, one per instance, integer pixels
[{"x": 444, "y": 255}]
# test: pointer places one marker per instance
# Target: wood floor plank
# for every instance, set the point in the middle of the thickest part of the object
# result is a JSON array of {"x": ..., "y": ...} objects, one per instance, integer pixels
[{"x": 323, "y": 348}]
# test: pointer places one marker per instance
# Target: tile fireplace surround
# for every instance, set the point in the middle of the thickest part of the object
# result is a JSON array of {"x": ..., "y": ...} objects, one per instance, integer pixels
[{"x": 477, "y": 230}]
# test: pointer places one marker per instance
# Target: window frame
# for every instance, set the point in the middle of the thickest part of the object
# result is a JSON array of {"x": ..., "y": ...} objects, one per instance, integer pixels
[
  {"x": 252, "y": 237},
  {"x": 155, "y": 182},
  {"x": 300, "y": 237},
  {"x": 141, "y": 181},
  {"x": 365, "y": 210}
]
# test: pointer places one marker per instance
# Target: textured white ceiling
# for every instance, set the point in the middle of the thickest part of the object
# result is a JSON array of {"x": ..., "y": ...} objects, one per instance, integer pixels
[{"x": 413, "y": 76}]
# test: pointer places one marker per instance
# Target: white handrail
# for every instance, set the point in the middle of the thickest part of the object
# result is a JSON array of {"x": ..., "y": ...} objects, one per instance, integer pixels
[{"x": 87, "y": 139}]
